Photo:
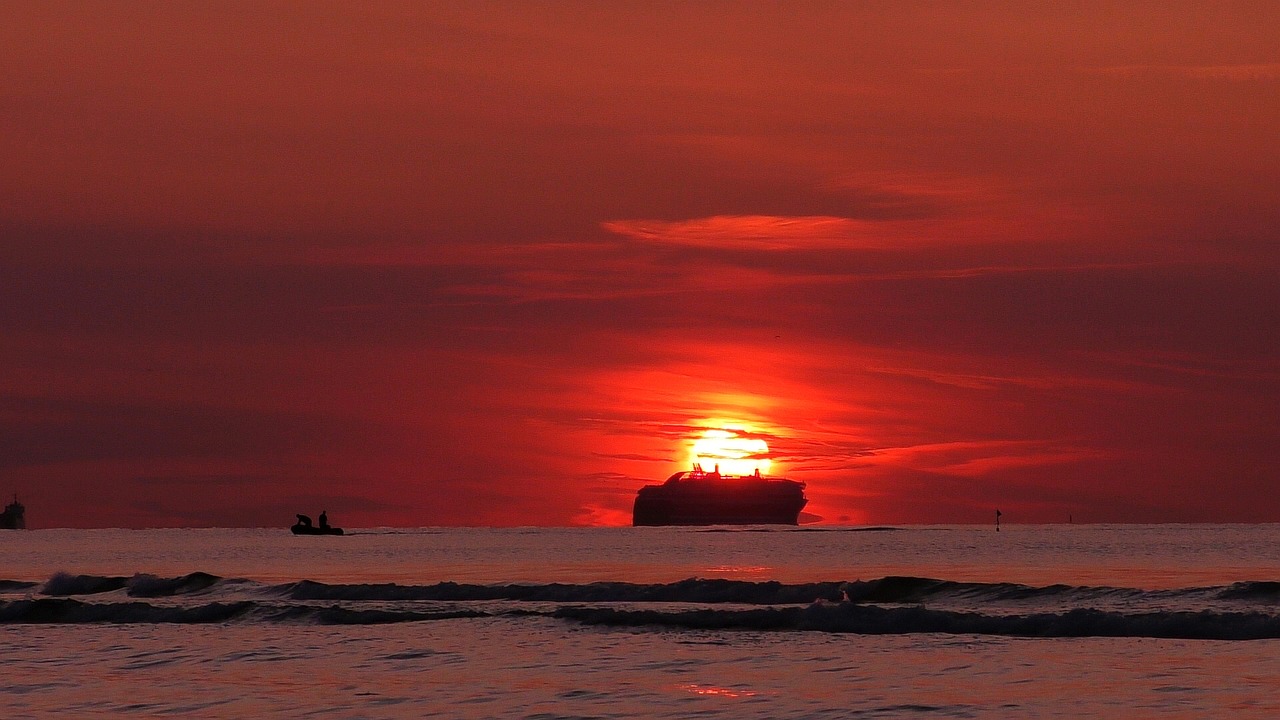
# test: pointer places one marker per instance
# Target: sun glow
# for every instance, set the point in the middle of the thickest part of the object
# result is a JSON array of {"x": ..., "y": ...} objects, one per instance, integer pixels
[{"x": 732, "y": 451}]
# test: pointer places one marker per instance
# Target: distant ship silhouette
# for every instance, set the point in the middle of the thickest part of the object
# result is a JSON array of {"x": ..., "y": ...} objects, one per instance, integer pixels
[
  {"x": 697, "y": 497},
  {"x": 14, "y": 516}
]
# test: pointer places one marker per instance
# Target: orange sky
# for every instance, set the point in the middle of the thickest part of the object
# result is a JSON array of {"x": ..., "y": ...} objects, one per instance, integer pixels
[{"x": 499, "y": 263}]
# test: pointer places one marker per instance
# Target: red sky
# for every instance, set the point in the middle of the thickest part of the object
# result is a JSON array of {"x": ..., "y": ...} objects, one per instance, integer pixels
[{"x": 498, "y": 263}]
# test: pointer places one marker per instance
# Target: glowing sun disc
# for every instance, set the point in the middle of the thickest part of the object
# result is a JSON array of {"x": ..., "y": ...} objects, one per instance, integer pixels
[{"x": 732, "y": 453}]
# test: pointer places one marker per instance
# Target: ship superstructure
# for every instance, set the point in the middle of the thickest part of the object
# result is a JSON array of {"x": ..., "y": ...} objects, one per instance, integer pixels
[{"x": 698, "y": 497}]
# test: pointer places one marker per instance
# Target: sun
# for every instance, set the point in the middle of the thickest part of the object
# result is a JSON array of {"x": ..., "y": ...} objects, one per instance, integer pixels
[{"x": 730, "y": 451}]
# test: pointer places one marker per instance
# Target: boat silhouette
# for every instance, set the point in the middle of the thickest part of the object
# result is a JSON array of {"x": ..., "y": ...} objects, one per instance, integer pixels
[
  {"x": 304, "y": 526},
  {"x": 14, "y": 516},
  {"x": 697, "y": 497}
]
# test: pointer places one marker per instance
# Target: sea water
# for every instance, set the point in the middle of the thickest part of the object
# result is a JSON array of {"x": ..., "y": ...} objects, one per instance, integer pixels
[{"x": 1032, "y": 621}]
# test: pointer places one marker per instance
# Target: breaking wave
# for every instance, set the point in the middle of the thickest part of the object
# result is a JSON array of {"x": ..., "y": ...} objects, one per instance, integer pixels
[{"x": 140, "y": 585}]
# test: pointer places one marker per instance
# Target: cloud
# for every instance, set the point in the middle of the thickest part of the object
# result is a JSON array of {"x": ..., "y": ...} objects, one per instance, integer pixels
[
  {"x": 633, "y": 456},
  {"x": 1034, "y": 381},
  {"x": 1235, "y": 72},
  {"x": 1263, "y": 369},
  {"x": 595, "y": 514},
  {"x": 763, "y": 232},
  {"x": 972, "y": 457},
  {"x": 1039, "y": 457},
  {"x": 444, "y": 262}
]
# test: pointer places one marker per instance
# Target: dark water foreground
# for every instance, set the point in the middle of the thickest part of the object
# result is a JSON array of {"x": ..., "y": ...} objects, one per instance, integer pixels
[{"x": 1096, "y": 621}]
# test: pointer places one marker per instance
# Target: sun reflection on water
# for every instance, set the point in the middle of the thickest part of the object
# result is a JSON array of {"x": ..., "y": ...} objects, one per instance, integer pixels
[
  {"x": 717, "y": 691},
  {"x": 739, "y": 571}
]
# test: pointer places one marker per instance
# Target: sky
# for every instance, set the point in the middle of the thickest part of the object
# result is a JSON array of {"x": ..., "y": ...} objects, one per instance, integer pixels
[{"x": 491, "y": 263}]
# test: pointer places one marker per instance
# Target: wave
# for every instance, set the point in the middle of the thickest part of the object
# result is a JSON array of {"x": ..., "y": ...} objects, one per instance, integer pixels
[
  {"x": 876, "y": 620},
  {"x": 686, "y": 591},
  {"x": 68, "y": 611},
  {"x": 907, "y": 589},
  {"x": 67, "y": 584},
  {"x": 890, "y": 589},
  {"x": 831, "y": 617},
  {"x": 1254, "y": 590},
  {"x": 7, "y": 586},
  {"x": 888, "y": 605},
  {"x": 150, "y": 586},
  {"x": 140, "y": 585},
  {"x": 62, "y": 610}
]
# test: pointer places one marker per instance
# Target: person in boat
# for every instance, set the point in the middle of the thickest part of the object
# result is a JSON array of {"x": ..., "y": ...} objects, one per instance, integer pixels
[
  {"x": 324, "y": 520},
  {"x": 305, "y": 520}
]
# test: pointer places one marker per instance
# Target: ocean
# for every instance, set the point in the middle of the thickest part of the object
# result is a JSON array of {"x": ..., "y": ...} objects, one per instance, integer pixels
[{"x": 1066, "y": 621}]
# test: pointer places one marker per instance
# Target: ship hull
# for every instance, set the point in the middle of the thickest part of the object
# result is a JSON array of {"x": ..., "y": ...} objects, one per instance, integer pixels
[
  {"x": 309, "y": 530},
  {"x": 721, "y": 502}
]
